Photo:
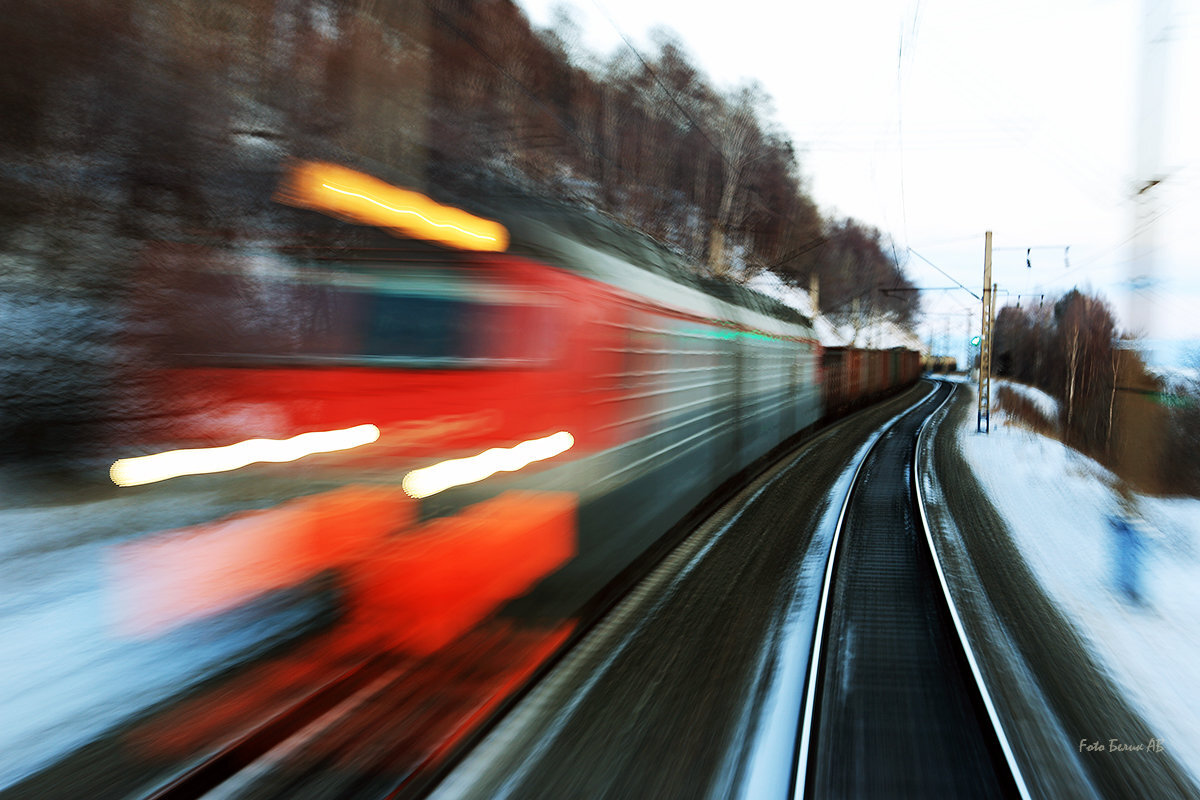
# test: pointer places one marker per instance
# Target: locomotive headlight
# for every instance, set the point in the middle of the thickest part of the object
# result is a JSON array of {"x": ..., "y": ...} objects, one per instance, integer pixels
[
  {"x": 203, "y": 460},
  {"x": 459, "y": 471},
  {"x": 365, "y": 200}
]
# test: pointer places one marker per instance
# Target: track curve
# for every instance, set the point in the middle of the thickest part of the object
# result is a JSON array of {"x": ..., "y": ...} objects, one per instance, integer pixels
[{"x": 894, "y": 706}]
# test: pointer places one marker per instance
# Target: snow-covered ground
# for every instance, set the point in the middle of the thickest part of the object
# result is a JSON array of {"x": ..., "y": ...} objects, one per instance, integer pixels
[
  {"x": 1047, "y": 405},
  {"x": 67, "y": 674},
  {"x": 1057, "y": 504}
]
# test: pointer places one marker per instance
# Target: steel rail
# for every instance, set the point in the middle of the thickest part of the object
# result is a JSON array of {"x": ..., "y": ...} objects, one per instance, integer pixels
[
  {"x": 805, "y": 751},
  {"x": 803, "y": 754},
  {"x": 980, "y": 685}
]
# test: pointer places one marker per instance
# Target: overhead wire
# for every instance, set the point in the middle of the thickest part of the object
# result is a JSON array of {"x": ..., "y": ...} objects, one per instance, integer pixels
[
  {"x": 947, "y": 274},
  {"x": 637, "y": 53},
  {"x": 687, "y": 115},
  {"x": 1063, "y": 153},
  {"x": 590, "y": 147}
]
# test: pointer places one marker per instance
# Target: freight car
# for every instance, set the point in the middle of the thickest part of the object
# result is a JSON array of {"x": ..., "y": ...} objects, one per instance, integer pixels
[
  {"x": 854, "y": 377},
  {"x": 939, "y": 365}
]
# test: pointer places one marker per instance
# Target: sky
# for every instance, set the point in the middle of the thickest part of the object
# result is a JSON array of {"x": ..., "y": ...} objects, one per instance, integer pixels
[{"x": 936, "y": 121}]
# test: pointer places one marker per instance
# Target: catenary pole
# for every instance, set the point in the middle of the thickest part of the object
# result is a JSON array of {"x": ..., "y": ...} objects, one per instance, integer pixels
[{"x": 985, "y": 341}]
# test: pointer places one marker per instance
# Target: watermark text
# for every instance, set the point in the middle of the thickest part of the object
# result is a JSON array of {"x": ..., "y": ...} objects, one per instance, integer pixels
[{"x": 1117, "y": 746}]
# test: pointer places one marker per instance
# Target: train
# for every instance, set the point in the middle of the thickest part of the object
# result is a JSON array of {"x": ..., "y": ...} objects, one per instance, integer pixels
[
  {"x": 518, "y": 425},
  {"x": 939, "y": 365}
]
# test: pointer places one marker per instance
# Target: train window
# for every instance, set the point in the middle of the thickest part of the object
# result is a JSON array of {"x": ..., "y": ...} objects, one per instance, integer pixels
[
  {"x": 424, "y": 327},
  {"x": 415, "y": 327},
  {"x": 417, "y": 320},
  {"x": 225, "y": 316}
]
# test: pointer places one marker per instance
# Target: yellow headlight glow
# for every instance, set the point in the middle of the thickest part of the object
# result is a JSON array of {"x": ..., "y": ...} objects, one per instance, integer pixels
[{"x": 360, "y": 198}]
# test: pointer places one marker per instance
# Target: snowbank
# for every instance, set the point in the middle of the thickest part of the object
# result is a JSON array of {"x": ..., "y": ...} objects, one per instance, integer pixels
[
  {"x": 1056, "y": 503},
  {"x": 1047, "y": 405},
  {"x": 882, "y": 335}
]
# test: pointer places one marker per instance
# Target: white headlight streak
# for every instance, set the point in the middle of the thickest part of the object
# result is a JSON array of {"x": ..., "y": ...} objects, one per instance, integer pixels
[
  {"x": 199, "y": 461},
  {"x": 456, "y": 472}
]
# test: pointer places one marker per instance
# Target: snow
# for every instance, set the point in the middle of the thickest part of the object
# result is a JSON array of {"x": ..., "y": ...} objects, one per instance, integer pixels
[
  {"x": 1056, "y": 503},
  {"x": 1047, "y": 405},
  {"x": 67, "y": 674},
  {"x": 879, "y": 334},
  {"x": 770, "y": 284}
]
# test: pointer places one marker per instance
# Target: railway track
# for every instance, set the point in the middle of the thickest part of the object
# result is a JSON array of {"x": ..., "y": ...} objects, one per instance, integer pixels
[{"x": 895, "y": 705}]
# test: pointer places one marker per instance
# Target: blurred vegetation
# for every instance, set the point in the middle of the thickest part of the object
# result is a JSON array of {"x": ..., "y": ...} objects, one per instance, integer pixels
[
  {"x": 1182, "y": 444},
  {"x": 1111, "y": 406},
  {"x": 125, "y": 123},
  {"x": 1024, "y": 411}
]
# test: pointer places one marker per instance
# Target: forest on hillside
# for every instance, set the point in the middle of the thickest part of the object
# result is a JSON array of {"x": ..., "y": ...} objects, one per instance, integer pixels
[
  {"x": 137, "y": 118},
  {"x": 649, "y": 139}
]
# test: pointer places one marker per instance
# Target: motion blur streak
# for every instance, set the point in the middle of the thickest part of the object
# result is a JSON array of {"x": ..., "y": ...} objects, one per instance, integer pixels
[
  {"x": 200, "y": 461},
  {"x": 359, "y": 198},
  {"x": 456, "y": 472},
  {"x": 169, "y": 579}
]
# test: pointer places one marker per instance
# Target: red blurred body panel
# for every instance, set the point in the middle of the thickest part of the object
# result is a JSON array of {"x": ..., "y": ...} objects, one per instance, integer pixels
[
  {"x": 429, "y": 587},
  {"x": 166, "y": 580},
  {"x": 410, "y": 587},
  {"x": 422, "y": 411}
]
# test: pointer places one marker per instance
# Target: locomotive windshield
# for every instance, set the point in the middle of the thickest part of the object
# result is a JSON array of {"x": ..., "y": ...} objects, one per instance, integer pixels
[{"x": 416, "y": 319}]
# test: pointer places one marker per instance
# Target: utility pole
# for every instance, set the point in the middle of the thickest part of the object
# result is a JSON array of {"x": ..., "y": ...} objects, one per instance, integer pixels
[
  {"x": 1151, "y": 106},
  {"x": 983, "y": 423},
  {"x": 1140, "y": 423}
]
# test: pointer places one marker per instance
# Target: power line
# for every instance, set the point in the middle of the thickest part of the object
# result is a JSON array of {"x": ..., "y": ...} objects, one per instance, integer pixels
[
  {"x": 811, "y": 244},
  {"x": 947, "y": 274},
  {"x": 766, "y": 206},
  {"x": 900, "y": 113},
  {"x": 733, "y": 171},
  {"x": 591, "y": 147},
  {"x": 923, "y": 289},
  {"x": 1139, "y": 230},
  {"x": 1034, "y": 247},
  {"x": 974, "y": 237}
]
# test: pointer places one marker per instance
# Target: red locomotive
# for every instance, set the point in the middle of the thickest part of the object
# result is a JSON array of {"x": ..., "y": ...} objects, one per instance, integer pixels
[{"x": 580, "y": 365}]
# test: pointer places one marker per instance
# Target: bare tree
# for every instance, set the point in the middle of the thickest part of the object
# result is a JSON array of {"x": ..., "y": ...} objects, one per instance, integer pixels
[{"x": 737, "y": 137}]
